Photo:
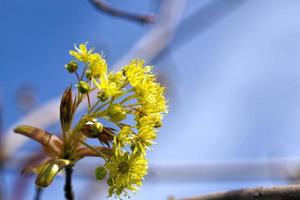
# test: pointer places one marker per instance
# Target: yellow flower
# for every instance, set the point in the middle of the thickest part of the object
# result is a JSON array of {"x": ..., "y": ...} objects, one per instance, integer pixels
[
  {"x": 122, "y": 139},
  {"x": 147, "y": 132},
  {"x": 144, "y": 139},
  {"x": 97, "y": 65},
  {"x": 81, "y": 53},
  {"x": 132, "y": 93},
  {"x": 150, "y": 120},
  {"x": 117, "y": 78},
  {"x": 126, "y": 172},
  {"x": 136, "y": 72},
  {"x": 151, "y": 96},
  {"x": 111, "y": 88}
]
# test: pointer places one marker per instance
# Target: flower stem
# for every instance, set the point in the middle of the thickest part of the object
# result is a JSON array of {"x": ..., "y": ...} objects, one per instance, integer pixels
[
  {"x": 38, "y": 193},
  {"x": 82, "y": 75},
  {"x": 69, "y": 194},
  {"x": 77, "y": 75},
  {"x": 89, "y": 100},
  {"x": 127, "y": 98},
  {"x": 93, "y": 107},
  {"x": 101, "y": 154}
]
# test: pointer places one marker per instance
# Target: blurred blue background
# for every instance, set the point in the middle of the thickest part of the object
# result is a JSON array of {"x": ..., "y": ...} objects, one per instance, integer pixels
[{"x": 232, "y": 69}]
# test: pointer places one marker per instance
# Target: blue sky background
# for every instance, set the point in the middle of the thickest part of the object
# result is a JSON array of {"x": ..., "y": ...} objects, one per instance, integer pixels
[{"x": 233, "y": 76}]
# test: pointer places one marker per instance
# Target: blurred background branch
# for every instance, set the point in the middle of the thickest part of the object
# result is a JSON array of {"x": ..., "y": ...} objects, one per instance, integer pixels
[
  {"x": 110, "y": 10},
  {"x": 207, "y": 172},
  {"x": 291, "y": 192},
  {"x": 159, "y": 37}
]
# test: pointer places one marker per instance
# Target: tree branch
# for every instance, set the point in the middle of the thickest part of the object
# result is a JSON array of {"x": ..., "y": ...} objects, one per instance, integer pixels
[
  {"x": 291, "y": 192},
  {"x": 104, "y": 7}
]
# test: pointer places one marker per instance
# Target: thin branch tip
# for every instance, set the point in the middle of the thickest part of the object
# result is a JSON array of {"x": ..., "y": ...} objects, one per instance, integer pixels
[{"x": 110, "y": 10}]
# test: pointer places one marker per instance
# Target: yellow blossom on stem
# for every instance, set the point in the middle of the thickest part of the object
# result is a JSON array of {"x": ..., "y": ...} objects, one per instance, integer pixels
[
  {"x": 98, "y": 65},
  {"x": 122, "y": 139},
  {"x": 126, "y": 172},
  {"x": 136, "y": 72},
  {"x": 130, "y": 100},
  {"x": 108, "y": 86},
  {"x": 82, "y": 53},
  {"x": 144, "y": 139}
]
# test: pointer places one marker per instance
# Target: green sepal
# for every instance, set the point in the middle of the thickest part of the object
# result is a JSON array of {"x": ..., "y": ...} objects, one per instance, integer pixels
[{"x": 48, "y": 172}]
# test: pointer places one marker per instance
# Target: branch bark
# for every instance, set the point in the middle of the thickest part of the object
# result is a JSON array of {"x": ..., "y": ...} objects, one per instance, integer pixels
[
  {"x": 291, "y": 192},
  {"x": 106, "y": 8}
]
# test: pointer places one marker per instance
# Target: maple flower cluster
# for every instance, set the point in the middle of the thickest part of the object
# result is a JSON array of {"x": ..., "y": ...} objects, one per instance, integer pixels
[{"x": 132, "y": 102}]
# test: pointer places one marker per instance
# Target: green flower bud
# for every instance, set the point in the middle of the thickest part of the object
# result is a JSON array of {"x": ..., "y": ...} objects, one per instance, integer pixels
[
  {"x": 88, "y": 74},
  {"x": 48, "y": 172},
  {"x": 102, "y": 95},
  {"x": 100, "y": 173},
  {"x": 72, "y": 66},
  {"x": 46, "y": 175},
  {"x": 97, "y": 127},
  {"x": 83, "y": 87},
  {"x": 110, "y": 182},
  {"x": 116, "y": 112}
]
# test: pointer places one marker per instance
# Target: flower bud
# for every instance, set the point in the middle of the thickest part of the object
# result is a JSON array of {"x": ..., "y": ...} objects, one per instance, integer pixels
[
  {"x": 72, "y": 66},
  {"x": 97, "y": 127},
  {"x": 116, "y": 112},
  {"x": 100, "y": 173},
  {"x": 88, "y": 74},
  {"x": 83, "y": 87},
  {"x": 110, "y": 182},
  {"x": 67, "y": 109},
  {"x": 46, "y": 175},
  {"x": 102, "y": 95},
  {"x": 49, "y": 171}
]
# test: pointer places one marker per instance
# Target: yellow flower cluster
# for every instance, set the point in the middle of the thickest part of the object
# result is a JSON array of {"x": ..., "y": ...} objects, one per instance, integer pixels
[
  {"x": 130, "y": 91},
  {"x": 151, "y": 101},
  {"x": 126, "y": 172}
]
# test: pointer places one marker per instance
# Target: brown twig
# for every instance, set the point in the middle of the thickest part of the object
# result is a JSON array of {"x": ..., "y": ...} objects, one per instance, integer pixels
[
  {"x": 38, "y": 193},
  {"x": 69, "y": 194},
  {"x": 291, "y": 192},
  {"x": 106, "y": 8}
]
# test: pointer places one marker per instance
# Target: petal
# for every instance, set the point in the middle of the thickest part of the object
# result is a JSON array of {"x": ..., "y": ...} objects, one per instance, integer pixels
[{"x": 83, "y": 49}]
